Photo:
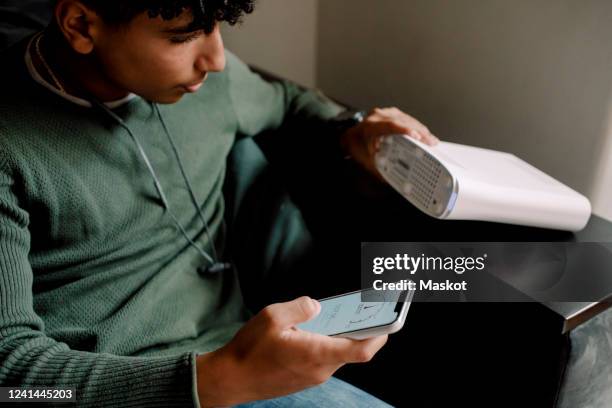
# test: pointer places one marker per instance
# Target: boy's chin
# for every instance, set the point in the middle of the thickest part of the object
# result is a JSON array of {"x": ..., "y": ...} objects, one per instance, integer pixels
[{"x": 167, "y": 99}]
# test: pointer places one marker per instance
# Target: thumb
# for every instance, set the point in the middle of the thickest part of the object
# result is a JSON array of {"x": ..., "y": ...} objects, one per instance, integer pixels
[{"x": 298, "y": 311}]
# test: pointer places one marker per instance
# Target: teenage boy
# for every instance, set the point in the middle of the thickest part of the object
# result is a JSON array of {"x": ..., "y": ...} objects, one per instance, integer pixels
[{"x": 116, "y": 124}]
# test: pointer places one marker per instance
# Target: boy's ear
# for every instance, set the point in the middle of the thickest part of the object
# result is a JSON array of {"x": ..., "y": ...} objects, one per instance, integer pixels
[{"x": 78, "y": 23}]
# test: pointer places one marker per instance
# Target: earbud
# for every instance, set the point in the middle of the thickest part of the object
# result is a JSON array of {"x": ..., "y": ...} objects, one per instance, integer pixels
[{"x": 215, "y": 268}]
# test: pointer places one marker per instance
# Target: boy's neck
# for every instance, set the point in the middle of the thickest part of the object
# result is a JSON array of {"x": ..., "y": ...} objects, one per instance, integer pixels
[{"x": 80, "y": 75}]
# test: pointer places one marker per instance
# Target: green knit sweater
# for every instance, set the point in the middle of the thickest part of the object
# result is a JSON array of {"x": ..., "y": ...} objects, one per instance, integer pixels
[{"x": 98, "y": 289}]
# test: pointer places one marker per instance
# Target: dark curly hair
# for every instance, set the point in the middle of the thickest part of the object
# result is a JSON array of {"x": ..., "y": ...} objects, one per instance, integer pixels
[{"x": 205, "y": 12}]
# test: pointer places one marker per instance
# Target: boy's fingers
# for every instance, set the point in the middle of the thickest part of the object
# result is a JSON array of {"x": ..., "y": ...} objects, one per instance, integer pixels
[
  {"x": 343, "y": 350},
  {"x": 409, "y": 123},
  {"x": 430, "y": 139},
  {"x": 392, "y": 127},
  {"x": 297, "y": 311}
]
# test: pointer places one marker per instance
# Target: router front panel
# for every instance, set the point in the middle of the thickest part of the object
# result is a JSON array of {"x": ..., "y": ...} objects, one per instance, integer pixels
[{"x": 417, "y": 175}]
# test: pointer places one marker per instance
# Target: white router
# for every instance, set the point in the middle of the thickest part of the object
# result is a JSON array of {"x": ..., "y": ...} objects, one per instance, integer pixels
[{"x": 458, "y": 182}]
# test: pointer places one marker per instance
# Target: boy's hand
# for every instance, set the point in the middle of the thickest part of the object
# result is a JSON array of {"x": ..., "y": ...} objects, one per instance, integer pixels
[
  {"x": 363, "y": 140},
  {"x": 269, "y": 357}
]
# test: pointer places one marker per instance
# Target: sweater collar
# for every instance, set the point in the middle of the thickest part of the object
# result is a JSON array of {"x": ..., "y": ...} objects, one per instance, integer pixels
[{"x": 76, "y": 100}]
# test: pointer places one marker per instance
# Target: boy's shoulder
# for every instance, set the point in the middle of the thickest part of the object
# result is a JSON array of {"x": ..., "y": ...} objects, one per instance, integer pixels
[
  {"x": 29, "y": 111},
  {"x": 18, "y": 92}
]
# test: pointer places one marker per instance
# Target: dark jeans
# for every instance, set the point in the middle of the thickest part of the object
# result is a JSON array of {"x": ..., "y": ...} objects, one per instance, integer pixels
[{"x": 334, "y": 393}]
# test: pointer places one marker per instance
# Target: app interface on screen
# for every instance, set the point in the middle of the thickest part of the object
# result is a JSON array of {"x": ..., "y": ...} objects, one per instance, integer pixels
[{"x": 348, "y": 313}]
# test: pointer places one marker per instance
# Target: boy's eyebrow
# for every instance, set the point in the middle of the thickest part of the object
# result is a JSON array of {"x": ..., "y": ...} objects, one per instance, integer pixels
[{"x": 186, "y": 29}]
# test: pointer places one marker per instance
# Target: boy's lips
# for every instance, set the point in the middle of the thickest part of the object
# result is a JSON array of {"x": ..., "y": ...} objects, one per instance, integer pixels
[
  {"x": 196, "y": 85},
  {"x": 194, "y": 88}
]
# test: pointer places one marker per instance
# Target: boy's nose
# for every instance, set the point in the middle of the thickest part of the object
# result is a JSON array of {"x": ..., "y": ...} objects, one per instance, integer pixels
[{"x": 212, "y": 56}]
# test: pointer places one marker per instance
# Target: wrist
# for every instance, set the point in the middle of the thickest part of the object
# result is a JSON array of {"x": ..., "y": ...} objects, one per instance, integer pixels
[
  {"x": 343, "y": 124},
  {"x": 212, "y": 380},
  {"x": 344, "y": 144}
]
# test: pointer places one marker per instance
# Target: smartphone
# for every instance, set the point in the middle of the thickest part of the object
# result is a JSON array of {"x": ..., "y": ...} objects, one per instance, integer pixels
[{"x": 348, "y": 316}]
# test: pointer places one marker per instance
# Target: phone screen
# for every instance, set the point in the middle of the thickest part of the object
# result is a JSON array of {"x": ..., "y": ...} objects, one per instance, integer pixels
[{"x": 348, "y": 313}]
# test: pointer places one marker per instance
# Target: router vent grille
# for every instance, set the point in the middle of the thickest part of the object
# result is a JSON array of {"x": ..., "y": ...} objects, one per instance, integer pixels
[{"x": 424, "y": 178}]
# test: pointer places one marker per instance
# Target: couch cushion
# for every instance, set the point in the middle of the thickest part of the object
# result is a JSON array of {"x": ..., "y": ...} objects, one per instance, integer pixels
[
  {"x": 20, "y": 18},
  {"x": 588, "y": 379}
]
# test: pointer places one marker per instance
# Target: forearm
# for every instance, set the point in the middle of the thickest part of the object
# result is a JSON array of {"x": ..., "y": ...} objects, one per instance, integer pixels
[{"x": 29, "y": 358}]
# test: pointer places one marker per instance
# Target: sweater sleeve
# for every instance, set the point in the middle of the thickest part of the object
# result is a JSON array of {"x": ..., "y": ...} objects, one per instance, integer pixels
[
  {"x": 28, "y": 357},
  {"x": 262, "y": 105},
  {"x": 292, "y": 124}
]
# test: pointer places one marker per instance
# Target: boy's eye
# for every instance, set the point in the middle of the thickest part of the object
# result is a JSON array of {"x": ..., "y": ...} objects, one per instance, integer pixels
[{"x": 181, "y": 39}]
